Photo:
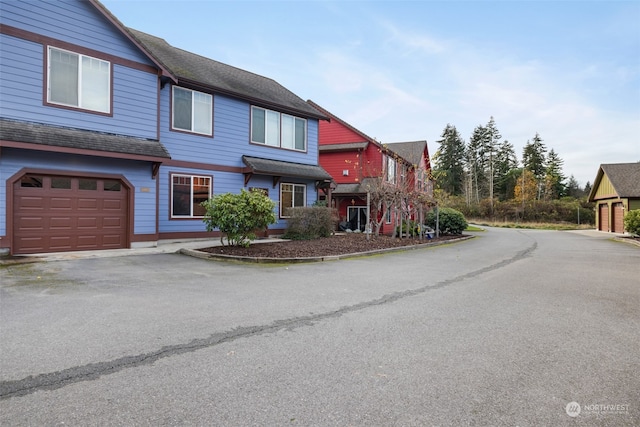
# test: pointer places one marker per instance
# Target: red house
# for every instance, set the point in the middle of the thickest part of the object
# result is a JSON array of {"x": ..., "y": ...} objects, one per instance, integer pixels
[{"x": 383, "y": 182}]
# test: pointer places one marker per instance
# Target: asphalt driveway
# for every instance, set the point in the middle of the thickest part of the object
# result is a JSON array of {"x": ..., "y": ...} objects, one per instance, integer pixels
[{"x": 510, "y": 328}]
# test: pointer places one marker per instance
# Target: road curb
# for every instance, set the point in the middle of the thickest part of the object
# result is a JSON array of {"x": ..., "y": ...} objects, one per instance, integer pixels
[
  {"x": 627, "y": 241},
  {"x": 298, "y": 260}
]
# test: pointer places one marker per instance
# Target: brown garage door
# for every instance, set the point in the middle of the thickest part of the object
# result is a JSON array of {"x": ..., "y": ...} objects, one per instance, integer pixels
[
  {"x": 603, "y": 217},
  {"x": 618, "y": 213},
  {"x": 61, "y": 213}
]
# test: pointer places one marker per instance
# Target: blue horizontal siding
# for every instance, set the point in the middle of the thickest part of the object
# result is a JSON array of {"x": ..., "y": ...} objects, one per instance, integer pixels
[
  {"x": 137, "y": 173},
  {"x": 77, "y": 22},
  {"x": 231, "y": 129},
  {"x": 22, "y": 91}
]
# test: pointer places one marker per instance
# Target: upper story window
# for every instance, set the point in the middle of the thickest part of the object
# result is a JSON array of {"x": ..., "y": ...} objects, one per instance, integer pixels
[
  {"x": 391, "y": 169},
  {"x": 79, "y": 81},
  {"x": 192, "y": 111},
  {"x": 278, "y": 129}
]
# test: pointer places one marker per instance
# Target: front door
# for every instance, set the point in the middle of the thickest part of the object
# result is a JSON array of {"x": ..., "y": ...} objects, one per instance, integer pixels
[{"x": 357, "y": 217}]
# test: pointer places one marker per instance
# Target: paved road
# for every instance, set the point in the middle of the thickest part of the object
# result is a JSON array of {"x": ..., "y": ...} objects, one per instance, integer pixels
[{"x": 504, "y": 329}]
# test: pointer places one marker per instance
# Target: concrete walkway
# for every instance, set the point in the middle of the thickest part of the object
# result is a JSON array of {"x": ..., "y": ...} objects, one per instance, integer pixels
[{"x": 166, "y": 247}]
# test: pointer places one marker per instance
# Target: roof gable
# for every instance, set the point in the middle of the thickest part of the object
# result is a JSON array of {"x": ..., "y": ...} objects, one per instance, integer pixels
[
  {"x": 413, "y": 152},
  {"x": 127, "y": 34},
  {"x": 624, "y": 177},
  {"x": 352, "y": 129}
]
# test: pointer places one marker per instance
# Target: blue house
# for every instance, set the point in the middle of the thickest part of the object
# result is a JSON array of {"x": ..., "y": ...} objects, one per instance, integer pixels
[{"x": 111, "y": 138}]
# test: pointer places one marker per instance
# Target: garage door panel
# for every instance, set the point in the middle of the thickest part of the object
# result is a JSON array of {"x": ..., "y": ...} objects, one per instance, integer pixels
[
  {"x": 60, "y": 203},
  {"x": 30, "y": 223},
  {"x": 61, "y": 223},
  {"x": 112, "y": 240},
  {"x": 87, "y": 204},
  {"x": 31, "y": 203},
  {"x": 72, "y": 216},
  {"x": 112, "y": 205},
  {"x": 88, "y": 242},
  {"x": 88, "y": 223},
  {"x": 60, "y": 243},
  {"x": 112, "y": 222},
  {"x": 32, "y": 244}
]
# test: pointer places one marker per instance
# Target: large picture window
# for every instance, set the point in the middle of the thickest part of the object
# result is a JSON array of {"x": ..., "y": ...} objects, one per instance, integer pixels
[
  {"x": 77, "y": 80},
  {"x": 291, "y": 196},
  {"x": 187, "y": 193},
  {"x": 192, "y": 111},
  {"x": 278, "y": 129}
]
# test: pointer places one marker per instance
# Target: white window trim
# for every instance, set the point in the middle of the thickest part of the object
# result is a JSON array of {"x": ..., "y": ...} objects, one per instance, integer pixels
[
  {"x": 193, "y": 115},
  {"x": 282, "y": 208},
  {"x": 280, "y": 130},
  {"x": 391, "y": 178},
  {"x": 191, "y": 215},
  {"x": 80, "y": 81}
]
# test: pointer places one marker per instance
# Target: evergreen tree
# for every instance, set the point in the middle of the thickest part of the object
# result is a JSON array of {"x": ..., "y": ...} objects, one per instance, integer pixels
[
  {"x": 554, "y": 179},
  {"x": 533, "y": 157},
  {"x": 476, "y": 163},
  {"x": 491, "y": 146},
  {"x": 506, "y": 171},
  {"x": 573, "y": 188},
  {"x": 448, "y": 169},
  {"x": 587, "y": 188}
]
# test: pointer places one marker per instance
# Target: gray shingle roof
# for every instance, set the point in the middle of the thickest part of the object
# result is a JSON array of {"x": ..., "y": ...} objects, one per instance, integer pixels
[
  {"x": 188, "y": 68},
  {"x": 53, "y": 136},
  {"x": 410, "y": 151},
  {"x": 262, "y": 166},
  {"x": 357, "y": 188},
  {"x": 349, "y": 146},
  {"x": 625, "y": 178}
]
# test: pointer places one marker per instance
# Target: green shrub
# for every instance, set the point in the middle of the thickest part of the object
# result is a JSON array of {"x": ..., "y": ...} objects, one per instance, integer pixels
[
  {"x": 310, "y": 223},
  {"x": 238, "y": 216},
  {"x": 632, "y": 222},
  {"x": 451, "y": 221}
]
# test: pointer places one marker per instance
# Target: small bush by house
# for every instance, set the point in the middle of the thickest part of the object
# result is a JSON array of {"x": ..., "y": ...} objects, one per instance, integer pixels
[
  {"x": 238, "y": 216},
  {"x": 310, "y": 223}
]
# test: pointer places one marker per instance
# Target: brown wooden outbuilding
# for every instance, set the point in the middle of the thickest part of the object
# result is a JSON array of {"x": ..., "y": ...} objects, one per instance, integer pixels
[{"x": 615, "y": 191}]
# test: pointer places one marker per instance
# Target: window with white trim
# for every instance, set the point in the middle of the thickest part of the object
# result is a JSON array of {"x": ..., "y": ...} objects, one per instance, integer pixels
[
  {"x": 192, "y": 111},
  {"x": 391, "y": 170},
  {"x": 80, "y": 81},
  {"x": 278, "y": 129},
  {"x": 291, "y": 196},
  {"x": 187, "y": 194}
]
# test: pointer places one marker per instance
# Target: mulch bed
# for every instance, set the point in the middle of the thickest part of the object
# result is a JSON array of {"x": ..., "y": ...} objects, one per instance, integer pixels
[{"x": 341, "y": 244}]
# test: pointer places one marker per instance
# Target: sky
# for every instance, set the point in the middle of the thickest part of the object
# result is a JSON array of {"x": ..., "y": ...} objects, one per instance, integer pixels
[{"x": 402, "y": 70}]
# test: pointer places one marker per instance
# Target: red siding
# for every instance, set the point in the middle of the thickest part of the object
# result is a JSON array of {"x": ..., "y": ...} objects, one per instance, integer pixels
[
  {"x": 336, "y": 163},
  {"x": 372, "y": 161},
  {"x": 335, "y": 133}
]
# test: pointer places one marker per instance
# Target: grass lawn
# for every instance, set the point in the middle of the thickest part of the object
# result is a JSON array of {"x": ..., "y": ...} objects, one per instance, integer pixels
[{"x": 533, "y": 225}]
